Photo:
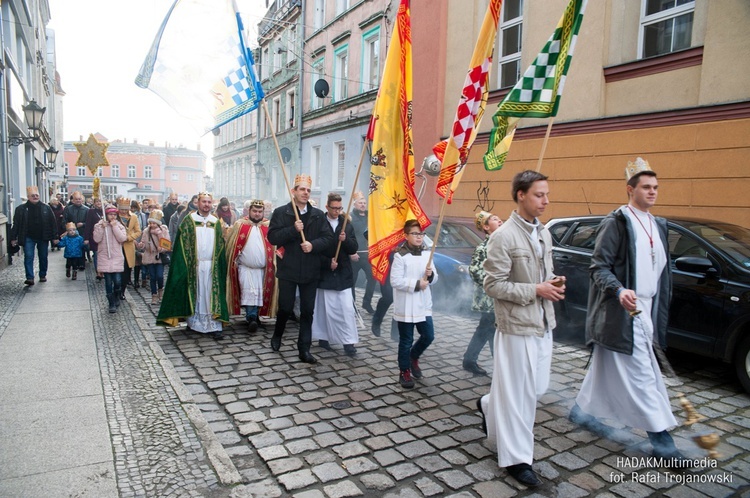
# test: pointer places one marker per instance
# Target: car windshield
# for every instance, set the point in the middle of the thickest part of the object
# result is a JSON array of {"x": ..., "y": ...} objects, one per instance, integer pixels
[
  {"x": 731, "y": 239},
  {"x": 452, "y": 235}
]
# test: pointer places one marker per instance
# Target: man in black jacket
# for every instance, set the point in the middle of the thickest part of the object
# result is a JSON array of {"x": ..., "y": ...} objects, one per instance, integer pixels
[
  {"x": 34, "y": 225},
  {"x": 76, "y": 212},
  {"x": 360, "y": 259},
  {"x": 299, "y": 265}
]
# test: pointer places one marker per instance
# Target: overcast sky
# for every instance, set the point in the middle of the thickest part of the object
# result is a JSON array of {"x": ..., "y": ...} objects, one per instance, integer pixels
[{"x": 100, "y": 48}]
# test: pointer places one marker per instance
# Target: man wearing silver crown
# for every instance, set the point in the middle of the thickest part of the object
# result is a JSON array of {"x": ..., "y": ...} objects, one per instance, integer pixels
[{"x": 629, "y": 294}]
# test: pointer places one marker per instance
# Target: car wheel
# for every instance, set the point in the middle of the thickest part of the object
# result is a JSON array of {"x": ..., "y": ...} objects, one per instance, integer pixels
[{"x": 742, "y": 364}]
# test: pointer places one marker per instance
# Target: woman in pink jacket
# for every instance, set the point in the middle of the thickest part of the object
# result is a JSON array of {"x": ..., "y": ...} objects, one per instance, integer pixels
[
  {"x": 154, "y": 243},
  {"x": 110, "y": 234}
]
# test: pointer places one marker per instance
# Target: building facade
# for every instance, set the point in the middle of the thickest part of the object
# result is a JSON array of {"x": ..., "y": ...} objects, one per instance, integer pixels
[
  {"x": 138, "y": 171},
  {"x": 27, "y": 75},
  {"x": 661, "y": 80}
]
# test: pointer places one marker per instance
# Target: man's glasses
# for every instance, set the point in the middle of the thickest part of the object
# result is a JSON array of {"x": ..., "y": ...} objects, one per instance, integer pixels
[
  {"x": 417, "y": 234},
  {"x": 335, "y": 208}
]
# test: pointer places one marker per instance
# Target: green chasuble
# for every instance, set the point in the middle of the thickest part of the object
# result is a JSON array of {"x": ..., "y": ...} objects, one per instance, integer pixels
[{"x": 181, "y": 289}]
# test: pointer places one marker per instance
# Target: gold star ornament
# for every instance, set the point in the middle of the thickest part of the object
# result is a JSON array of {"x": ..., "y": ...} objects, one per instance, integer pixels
[{"x": 92, "y": 154}]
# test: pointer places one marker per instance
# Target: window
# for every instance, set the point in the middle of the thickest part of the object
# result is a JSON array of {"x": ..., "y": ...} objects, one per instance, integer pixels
[
  {"x": 277, "y": 50},
  {"x": 371, "y": 59},
  {"x": 509, "y": 70},
  {"x": 341, "y": 74},
  {"x": 265, "y": 64},
  {"x": 100, "y": 171},
  {"x": 315, "y": 166},
  {"x": 667, "y": 26},
  {"x": 339, "y": 164},
  {"x": 115, "y": 171},
  {"x": 147, "y": 171},
  {"x": 175, "y": 177},
  {"x": 290, "y": 103},
  {"x": 558, "y": 231},
  {"x": 320, "y": 14},
  {"x": 147, "y": 187},
  {"x": 317, "y": 73},
  {"x": 341, "y": 6},
  {"x": 109, "y": 191},
  {"x": 584, "y": 236},
  {"x": 190, "y": 177},
  {"x": 276, "y": 114},
  {"x": 81, "y": 171},
  {"x": 66, "y": 169},
  {"x": 131, "y": 170},
  {"x": 291, "y": 45}
]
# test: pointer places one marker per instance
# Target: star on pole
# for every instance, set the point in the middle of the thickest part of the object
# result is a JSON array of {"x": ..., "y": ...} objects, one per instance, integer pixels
[{"x": 92, "y": 154}]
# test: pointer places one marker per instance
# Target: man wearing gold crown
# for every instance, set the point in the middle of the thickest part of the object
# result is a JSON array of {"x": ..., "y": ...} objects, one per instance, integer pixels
[
  {"x": 34, "y": 225},
  {"x": 250, "y": 276},
  {"x": 630, "y": 289},
  {"x": 299, "y": 268},
  {"x": 196, "y": 284}
]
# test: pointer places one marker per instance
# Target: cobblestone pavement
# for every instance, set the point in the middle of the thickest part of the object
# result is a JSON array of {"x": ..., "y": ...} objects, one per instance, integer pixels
[{"x": 343, "y": 427}]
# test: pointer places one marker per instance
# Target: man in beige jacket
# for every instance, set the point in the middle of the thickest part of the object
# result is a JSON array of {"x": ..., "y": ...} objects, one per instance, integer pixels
[{"x": 521, "y": 283}]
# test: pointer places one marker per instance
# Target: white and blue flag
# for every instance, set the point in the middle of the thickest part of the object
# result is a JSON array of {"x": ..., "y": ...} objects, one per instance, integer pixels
[{"x": 200, "y": 65}]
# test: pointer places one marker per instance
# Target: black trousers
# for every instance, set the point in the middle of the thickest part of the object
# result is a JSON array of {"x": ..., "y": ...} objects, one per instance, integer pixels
[
  {"x": 364, "y": 265},
  {"x": 287, "y": 295}
]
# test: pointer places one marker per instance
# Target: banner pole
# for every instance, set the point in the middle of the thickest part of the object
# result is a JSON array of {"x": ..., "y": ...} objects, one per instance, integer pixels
[
  {"x": 351, "y": 195},
  {"x": 544, "y": 145}
]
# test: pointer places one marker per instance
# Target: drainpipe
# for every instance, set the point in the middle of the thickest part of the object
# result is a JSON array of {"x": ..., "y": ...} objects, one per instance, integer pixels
[{"x": 301, "y": 58}]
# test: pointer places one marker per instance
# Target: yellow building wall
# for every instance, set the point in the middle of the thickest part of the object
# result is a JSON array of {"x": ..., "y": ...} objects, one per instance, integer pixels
[{"x": 703, "y": 172}]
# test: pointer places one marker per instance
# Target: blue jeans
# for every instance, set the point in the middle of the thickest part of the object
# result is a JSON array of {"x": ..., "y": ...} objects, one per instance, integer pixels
[
  {"x": 156, "y": 275},
  {"x": 42, "y": 247},
  {"x": 112, "y": 282},
  {"x": 407, "y": 352},
  {"x": 251, "y": 312}
]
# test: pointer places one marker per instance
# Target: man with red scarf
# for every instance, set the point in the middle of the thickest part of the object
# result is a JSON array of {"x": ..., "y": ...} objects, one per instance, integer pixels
[{"x": 250, "y": 274}]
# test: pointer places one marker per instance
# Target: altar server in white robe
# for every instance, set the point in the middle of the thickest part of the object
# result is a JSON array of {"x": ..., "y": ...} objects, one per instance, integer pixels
[
  {"x": 520, "y": 281},
  {"x": 334, "y": 320},
  {"x": 630, "y": 288}
]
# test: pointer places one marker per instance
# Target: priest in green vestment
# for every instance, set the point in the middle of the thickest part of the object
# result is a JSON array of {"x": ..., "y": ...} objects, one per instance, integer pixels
[{"x": 196, "y": 285}]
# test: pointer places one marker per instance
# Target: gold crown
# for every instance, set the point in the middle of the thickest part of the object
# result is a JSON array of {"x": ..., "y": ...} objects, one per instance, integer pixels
[
  {"x": 205, "y": 194},
  {"x": 358, "y": 195},
  {"x": 636, "y": 167},
  {"x": 156, "y": 216},
  {"x": 257, "y": 203},
  {"x": 481, "y": 219},
  {"x": 303, "y": 180},
  {"x": 123, "y": 203},
  {"x": 32, "y": 190}
]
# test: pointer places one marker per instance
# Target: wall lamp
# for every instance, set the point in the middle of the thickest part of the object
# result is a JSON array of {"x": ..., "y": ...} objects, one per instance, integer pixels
[{"x": 33, "y": 115}]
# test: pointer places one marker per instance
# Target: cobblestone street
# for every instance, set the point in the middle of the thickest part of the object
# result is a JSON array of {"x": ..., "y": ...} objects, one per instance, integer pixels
[{"x": 191, "y": 416}]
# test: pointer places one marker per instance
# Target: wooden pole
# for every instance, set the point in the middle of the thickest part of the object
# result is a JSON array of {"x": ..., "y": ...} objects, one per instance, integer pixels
[
  {"x": 544, "y": 145},
  {"x": 437, "y": 232},
  {"x": 281, "y": 162},
  {"x": 351, "y": 196}
]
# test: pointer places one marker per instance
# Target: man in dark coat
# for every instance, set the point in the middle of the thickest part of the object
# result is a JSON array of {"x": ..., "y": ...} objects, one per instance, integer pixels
[
  {"x": 76, "y": 212},
  {"x": 170, "y": 207},
  {"x": 34, "y": 225},
  {"x": 335, "y": 320},
  {"x": 360, "y": 261},
  {"x": 299, "y": 264}
]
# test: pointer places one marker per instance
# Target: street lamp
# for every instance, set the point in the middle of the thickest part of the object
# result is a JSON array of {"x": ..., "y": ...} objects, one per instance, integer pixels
[
  {"x": 33, "y": 115},
  {"x": 50, "y": 156}
]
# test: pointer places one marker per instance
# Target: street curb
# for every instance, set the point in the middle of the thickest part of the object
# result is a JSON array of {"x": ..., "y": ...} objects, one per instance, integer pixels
[{"x": 217, "y": 455}]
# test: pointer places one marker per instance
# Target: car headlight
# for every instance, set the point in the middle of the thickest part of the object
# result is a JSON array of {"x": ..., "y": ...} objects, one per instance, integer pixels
[{"x": 463, "y": 268}]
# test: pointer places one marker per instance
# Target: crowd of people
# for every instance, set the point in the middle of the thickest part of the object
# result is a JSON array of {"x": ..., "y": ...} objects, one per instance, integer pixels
[{"x": 262, "y": 262}]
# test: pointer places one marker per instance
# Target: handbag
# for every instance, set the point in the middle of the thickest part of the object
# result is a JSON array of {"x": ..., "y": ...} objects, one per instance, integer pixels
[{"x": 163, "y": 257}]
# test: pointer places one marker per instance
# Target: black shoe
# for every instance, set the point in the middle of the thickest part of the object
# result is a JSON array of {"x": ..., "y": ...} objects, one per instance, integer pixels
[
  {"x": 484, "y": 419},
  {"x": 471, "y": 366},
  {"x": 306, "y": 357},
  {"x": 28, "y": 281},
  {"x": 376, "y": 329},
  {"x": 523, "y": 473},
  {"x": 368, "y": 308},
  {"x": 404, "y": 378},
  {"x": 275, "y": 342},
  {"x": 416, "y": 372},
  {"x": 42, "y": 279},
  {"x": 217, "y": 335},
  {"x": 350, "y": 350},
  {"x": 252, "y": 325},
  {"x": 67, "y": 272},
  {"x": 325, "y": 345}
]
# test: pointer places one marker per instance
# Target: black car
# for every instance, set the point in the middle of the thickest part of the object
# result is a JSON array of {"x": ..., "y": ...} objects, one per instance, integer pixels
[{"x": 710, "y": 310}]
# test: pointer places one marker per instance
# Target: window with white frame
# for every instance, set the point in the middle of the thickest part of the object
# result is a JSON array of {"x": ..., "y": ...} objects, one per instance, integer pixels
[
  {"x": 115, "y": 173},
  {"x": 511, "y": 30},
  {"x": 148, "y": 187},
  {"x": 291, "y": 102},
  {"x": 81, "y": 171},
  {"x": 265, "y": 64},
  {"x": 291, "y": 44},
  {"x": 317, "y": 73},
  {"x": 131, "y": 170},
  {"x": 319, "y": 14},
  {"x": 109, "y": 191},
  {"x": 66, "y": 169},
  {"x": 341, "y": 6},
  {"x": 666, "y": 26},
  {"x": 276, "y": 114},
  {"x": 315, "y": 166},
  {"x": 100, "y": 171},
  {"x": 148, "y": 171},
  {"x": 339, "y": 164},
  {"x": 175, "y": 177},
  {"x": 371, "y": 59},
  {"x": 341, "y": 74},
  {"x": 277, "y": 50},
  {"x": 190, "y": 177}
]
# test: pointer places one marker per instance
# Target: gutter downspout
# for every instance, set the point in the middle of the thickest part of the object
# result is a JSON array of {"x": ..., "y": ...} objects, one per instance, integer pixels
[{"x": 301, "y": 37}]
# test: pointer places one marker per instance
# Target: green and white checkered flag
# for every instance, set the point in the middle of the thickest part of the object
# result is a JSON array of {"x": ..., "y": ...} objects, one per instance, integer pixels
[{"x": 537, "y": 94}]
